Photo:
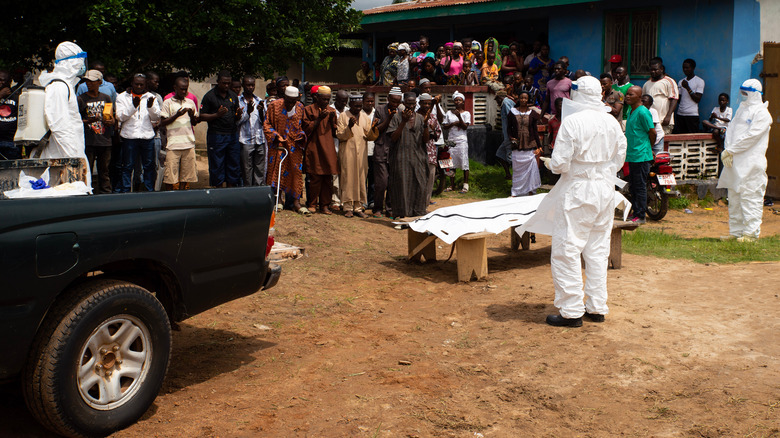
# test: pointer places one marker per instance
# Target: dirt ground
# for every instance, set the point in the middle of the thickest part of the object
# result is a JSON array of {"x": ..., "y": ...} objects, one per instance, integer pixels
[{"x": 355, "y": 341}]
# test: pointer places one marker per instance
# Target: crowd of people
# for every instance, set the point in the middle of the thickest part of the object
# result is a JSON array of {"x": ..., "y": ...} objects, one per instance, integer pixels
[
  {"x": 354, "y": 155},
  {"x": 329, "y": 155},
  {"x": 346, "y": 155}
]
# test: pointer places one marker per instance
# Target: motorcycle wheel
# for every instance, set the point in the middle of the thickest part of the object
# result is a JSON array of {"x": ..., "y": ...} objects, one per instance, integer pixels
[{"x": 657, "y": 201}]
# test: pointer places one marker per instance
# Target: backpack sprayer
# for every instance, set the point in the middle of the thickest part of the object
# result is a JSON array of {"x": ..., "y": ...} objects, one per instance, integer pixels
[{"x": 31, "y": 126}]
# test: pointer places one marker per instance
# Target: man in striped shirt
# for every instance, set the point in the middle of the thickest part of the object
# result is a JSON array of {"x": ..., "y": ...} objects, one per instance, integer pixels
[{"x": 179, "y": 113}]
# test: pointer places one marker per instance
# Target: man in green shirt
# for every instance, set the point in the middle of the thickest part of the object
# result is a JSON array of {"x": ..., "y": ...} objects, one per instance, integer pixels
[{"x": 640, "y": 135}]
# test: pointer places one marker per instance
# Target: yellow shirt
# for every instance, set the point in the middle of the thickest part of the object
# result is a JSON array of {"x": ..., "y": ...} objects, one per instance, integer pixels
[{"x": 489, "y": 73}]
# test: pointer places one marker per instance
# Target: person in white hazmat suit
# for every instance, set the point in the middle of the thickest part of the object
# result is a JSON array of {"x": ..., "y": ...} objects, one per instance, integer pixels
[
  {"x": 61, "y": 106},
  {"x": 578, "y": 212},
  {"x": 744, "y": 163}
]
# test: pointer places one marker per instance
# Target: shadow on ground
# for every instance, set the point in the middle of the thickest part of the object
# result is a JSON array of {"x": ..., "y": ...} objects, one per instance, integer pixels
[
  {"x": 534, "y": 313},
  {"x": 199, "y": 354}
]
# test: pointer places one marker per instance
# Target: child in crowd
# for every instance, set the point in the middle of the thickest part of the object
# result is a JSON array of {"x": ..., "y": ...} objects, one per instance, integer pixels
[
  {"x": 489, "y": 73},
  {"x": 532, "y": 90},
  {"x": 647, "y": 101},
  {"x": 719, "y": 119},
  {"x": 508, "y": 82},
  {"x": 458, "y": 121},
  {"x": 468, "y": 76}
]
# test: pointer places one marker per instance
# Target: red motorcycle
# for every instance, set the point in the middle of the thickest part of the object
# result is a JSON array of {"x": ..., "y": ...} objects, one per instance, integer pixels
[{"x": 660, "y": 184}]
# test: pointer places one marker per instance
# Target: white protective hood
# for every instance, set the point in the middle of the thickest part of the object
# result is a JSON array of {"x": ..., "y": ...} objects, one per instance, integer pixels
[
  {"x": 585, "y": 95},
  {"x": 61, "y": 106},
  {"x": 67, "y": 69},
  {"x": 747, "y": 139}
]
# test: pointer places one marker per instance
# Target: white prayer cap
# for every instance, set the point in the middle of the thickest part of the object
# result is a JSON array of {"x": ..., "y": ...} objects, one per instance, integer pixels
[
  {"x": 291, "y": 92},
  {"x": 458, "y": 94},
  {"x": 396, "y": 91},
  {"x": 424, "y": 81},
  {"x": 355, "y": 96},
  {"x": 426, "y": 96}
]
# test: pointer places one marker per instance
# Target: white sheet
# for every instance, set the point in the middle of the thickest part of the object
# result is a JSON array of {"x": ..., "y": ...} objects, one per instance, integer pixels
[{"x": 494, "y": 216}]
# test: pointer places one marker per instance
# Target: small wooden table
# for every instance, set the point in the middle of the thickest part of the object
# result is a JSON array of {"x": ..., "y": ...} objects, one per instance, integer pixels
[{"x": 471, "y": 248}]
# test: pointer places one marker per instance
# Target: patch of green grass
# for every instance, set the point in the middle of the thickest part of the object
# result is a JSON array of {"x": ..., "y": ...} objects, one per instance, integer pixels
[
  {"x": 679, "y": 203},
  {"x": 486, "y": 182},
  {"x": 700, "y": 250},
  {"x": 707, "y": 201}
]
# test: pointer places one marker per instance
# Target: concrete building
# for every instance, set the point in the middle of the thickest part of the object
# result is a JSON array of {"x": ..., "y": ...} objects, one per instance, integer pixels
[{"x": 723, "y": 36}]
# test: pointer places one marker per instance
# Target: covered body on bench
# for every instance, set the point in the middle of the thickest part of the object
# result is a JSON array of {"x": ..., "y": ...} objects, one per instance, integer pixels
[{"x": 471, "y": 242}]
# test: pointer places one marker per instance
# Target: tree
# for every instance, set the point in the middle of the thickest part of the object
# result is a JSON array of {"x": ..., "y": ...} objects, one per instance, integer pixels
[{"x": 202, "y": 36}]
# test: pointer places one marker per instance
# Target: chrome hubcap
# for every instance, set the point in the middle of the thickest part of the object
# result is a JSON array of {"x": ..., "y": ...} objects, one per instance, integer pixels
[{"x": 114, "y": 362}]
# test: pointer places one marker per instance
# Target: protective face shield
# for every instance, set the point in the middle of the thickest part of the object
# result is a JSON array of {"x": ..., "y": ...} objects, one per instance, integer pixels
[
  {"x": 750, "y": 91},
  {"x": 574, "y": 90},
  {"x": 71, "y": 59}
]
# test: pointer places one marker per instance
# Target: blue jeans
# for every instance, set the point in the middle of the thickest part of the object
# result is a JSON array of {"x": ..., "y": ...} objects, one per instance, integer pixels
[
  {"x": 224, "y": 153},
  {"x": 10, "y": 151},
  {"x": 131, "y": 149},
  {"x": 637, "y": 180}
]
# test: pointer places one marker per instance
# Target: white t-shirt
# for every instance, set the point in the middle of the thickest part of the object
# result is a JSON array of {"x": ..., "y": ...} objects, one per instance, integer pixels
[
  {"x": 371, "y": 143},
  {"x": 687, "y": 107},
  {"x": 725, "y": 114},
  {"x": 659, "y": 130},
  {"x": 662, "y": 90},
  {"x": 456, "y": 133}
]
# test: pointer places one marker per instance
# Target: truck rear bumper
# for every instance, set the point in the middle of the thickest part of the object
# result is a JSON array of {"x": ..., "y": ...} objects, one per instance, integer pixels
[{"x": 272, "y": 275}]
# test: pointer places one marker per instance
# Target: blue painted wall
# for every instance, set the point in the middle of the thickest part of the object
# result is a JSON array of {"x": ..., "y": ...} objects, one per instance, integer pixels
[
  {"x": 746, "y": 42},
  {"x": 722, "y": 36},
  {"x": 578, "y": 33}
]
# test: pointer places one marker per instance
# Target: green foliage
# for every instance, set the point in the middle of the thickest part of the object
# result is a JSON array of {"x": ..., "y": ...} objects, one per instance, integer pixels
[
  {"x": 244, "y": 36},
  {"x": 701, "y": 250},
  {"x": 679, "y": 203},
  {"x": 487, "y": 182},
  {"x": 706, "y": 201}
]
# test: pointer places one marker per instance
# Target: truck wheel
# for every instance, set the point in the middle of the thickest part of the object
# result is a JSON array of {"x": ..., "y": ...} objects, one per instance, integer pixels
[{"x": 99, "y": 359}]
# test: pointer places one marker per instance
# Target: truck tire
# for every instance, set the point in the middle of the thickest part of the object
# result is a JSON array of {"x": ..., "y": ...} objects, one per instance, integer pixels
[{"x": 98, "y": 360}]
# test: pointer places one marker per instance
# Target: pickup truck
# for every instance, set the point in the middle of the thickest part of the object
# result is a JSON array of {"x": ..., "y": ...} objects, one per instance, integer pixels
[{"x": 91, "y": 286}]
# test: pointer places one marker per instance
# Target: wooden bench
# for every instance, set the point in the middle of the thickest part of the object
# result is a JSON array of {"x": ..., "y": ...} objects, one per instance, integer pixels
[
  {"x": 615, "y": 246},
  {"x": 616, "y": 242},
  {"x": 472, "y": 249}
]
